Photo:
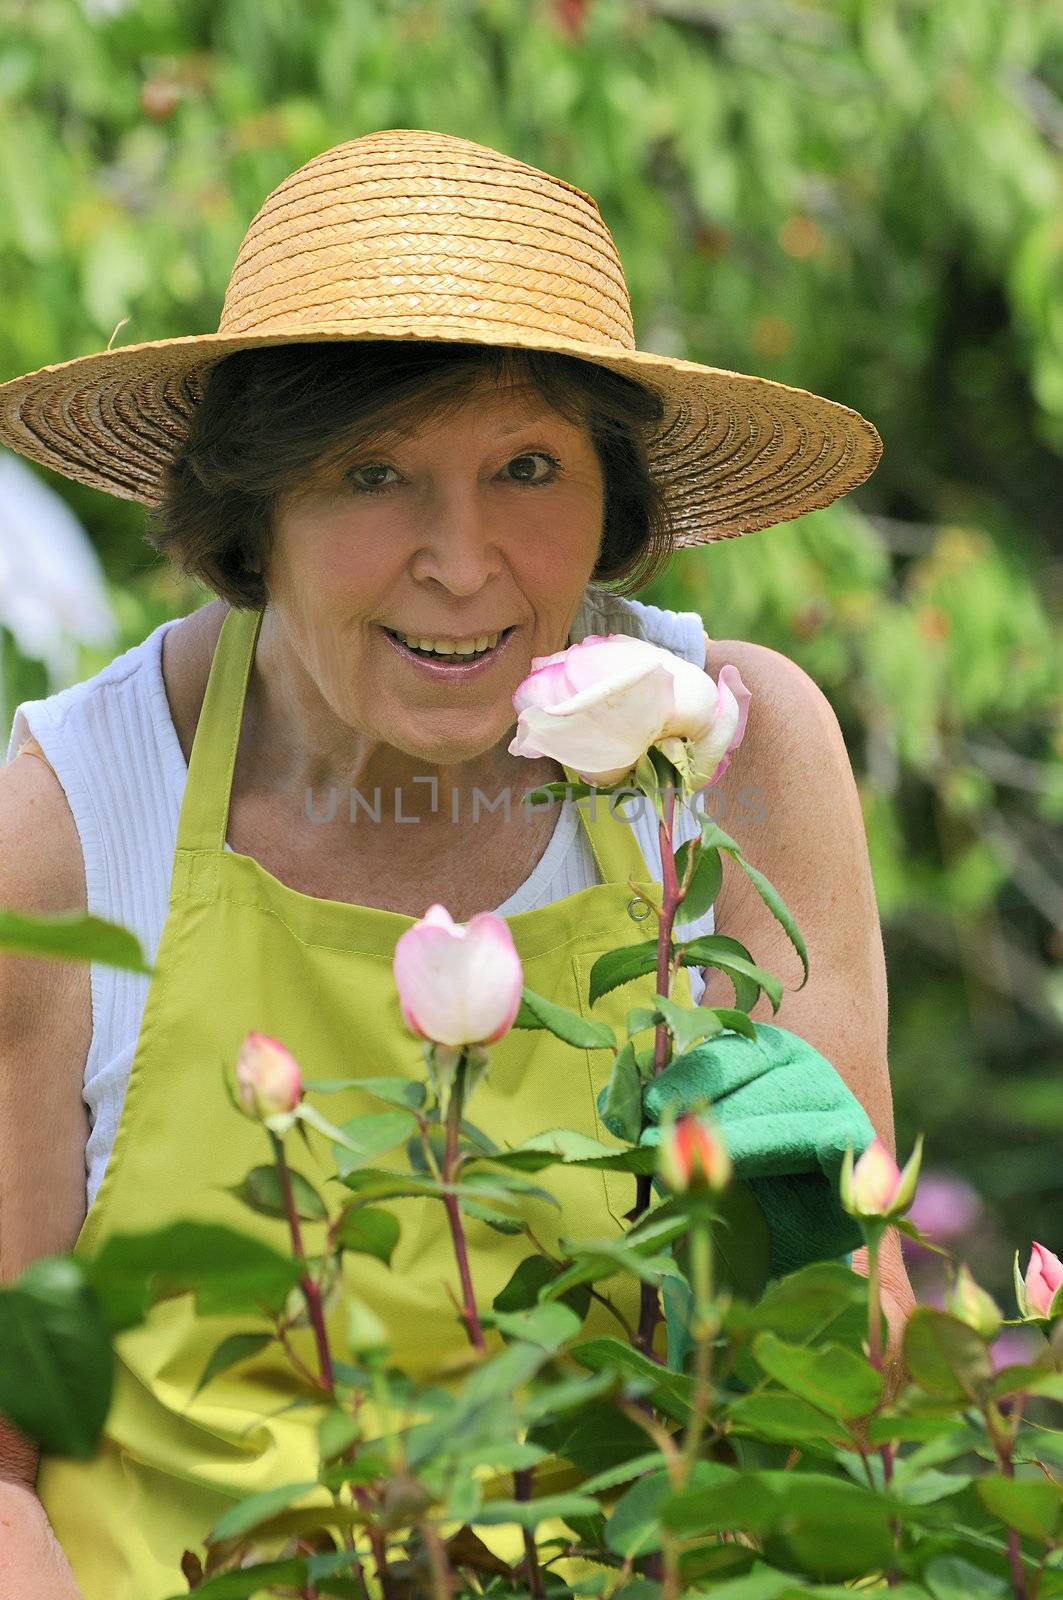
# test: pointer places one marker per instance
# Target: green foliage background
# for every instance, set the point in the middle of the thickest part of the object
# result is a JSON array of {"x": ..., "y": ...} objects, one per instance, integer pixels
[{"x": 862, "y": 198}]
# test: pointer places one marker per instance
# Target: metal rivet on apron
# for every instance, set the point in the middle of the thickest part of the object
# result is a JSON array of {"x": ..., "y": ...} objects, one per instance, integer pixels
[{"x": 637, "y": 910}]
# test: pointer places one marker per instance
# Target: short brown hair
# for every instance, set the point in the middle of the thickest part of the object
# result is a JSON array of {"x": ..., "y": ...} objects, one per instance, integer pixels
[{"x": 269, "y": 418}]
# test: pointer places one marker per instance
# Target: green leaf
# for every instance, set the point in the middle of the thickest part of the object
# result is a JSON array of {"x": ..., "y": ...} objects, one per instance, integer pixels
[
  {"x": 747, "y": 1501},
  {"x": 369, "y": 1232},
  {"x": 591, "y": 1434},
  {"x": 558, "y": 791},
  {"x": 686, "y": 1024},
  {"x": 821, "y": 1300},
  {"x": 394, "y": 1091},
  {"x": 227, "y": 1271},
  {"x": 714, "y": 838},
  {"x": 623, "y": 1473},
  {"x": 952, "y": 1578},
  {"x": 548, "y": 1325},
  {"x": 704, "y": 885},
  {"x": 1032, "y": 1508},
  {"x": 764, "y": 1583},
  {"x": 529, "y": 1513},
  {"x": 371, "y": 1136},
  {"x": 56, "y": 1364},
  {"x": 257, "y": 1508},
  {"x": 634, "y": 1527},
  {"x": 797, "y": 1516},
  {"x": 717, "y": 950},
  {"x": 602, "y": 1258},
  {"x": 238, "y": 1347},
  {"x": 830, "y": 1377},
  {"x": 338, "y": 1430},
  {"x": 946, "y": 1357},
  {"x": 261, "y": 1191},
  {"x": 367, "y": 1467},
  {"x": 72, "y": 936},
  {"x": 531, "y": 1276},
  {"x": 783, "y": 1417},
  {"x": 620, "y": 1102},
  {"x": 248, "y": 1582},
  {"x": 671, "y": 1392},
  {"x": 621, "y": 966},
  {"x": 538, "y": 1012}
]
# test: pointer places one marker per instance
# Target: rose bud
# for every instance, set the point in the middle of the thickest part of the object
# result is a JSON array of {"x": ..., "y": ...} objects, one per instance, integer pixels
[
  {"x": 1040, "y": 1288},
  {"x": 693, "y": 1155},
  {"x": 972, "y": 1304},
  {"x": 876, "y": 1186},
  {"x": 268, "y": 1080},
  {"x": 458, "y": 983}
]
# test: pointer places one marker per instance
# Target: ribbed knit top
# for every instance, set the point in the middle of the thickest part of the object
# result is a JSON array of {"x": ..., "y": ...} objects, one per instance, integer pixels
[{"x": 114, "y": 748}]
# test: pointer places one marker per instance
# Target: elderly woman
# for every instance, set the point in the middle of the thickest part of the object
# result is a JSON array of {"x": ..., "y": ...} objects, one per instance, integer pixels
[{"x": 421, "y": 451}]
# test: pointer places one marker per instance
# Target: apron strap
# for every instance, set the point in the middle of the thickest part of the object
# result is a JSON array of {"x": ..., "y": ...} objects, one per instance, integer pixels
[
  {"x": 204, "y": 820},
  {"x": 611, "y": 835}
]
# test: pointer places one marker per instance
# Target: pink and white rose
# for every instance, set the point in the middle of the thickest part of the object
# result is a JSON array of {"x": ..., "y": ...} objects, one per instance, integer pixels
[
  {"x": 459, "y": 983},
  {"x": 600, "y": 705},
  {"x": 875, "y": 1186},
  {"x": 268, "y": 1080}
]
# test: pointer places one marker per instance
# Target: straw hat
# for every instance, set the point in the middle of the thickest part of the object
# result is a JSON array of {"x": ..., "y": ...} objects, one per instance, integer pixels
[{"x": 410, "y": 234}]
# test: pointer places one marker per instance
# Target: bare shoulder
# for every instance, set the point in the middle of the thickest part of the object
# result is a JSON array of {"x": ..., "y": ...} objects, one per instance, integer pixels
[
  {"x": 45, "y": 1025},
  {"x": 41, "y": 864},
  {"x": 782, "y": 690},
  {"x": 789, "y": 793},
  {"x": 187, "y": 650}
]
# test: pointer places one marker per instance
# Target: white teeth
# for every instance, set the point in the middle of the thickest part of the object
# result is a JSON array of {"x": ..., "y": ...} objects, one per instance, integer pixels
[{"x": 451, "y": 647}]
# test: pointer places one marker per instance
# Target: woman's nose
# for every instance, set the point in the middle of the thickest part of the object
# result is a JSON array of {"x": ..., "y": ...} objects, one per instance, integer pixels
[{"x": 458, "y": 545}]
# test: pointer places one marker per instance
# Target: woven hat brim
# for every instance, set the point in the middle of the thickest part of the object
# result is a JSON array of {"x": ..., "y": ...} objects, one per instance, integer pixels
[{"x": 733, "y": 452}]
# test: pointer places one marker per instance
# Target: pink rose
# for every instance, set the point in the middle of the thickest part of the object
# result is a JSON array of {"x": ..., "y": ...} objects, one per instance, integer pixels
[
  {"x": 601, "y": 704},
  {"x": 459, "y": 983},
  {"x": 1044, "y": 1275},
  {"x": 268, "y": 1080}
]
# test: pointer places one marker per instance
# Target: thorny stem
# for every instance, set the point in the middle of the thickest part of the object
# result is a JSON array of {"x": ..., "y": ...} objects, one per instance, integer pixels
[
  {"x": 312, "y": 1295},
  {"x": 701, "y": 1262},
  {"x": 1003, "y": 1439},
  {"x": 450, "y": 1201},
  {"x": 311, "y": 1290},
  {"x": 671, "y": 896},
  {"x": 442, "y": 1579},
  {"x": 289, "y": 1350},
  {"x": 873, "y": 1239},
  {"x": 522, "y": 1490},
  {"x": 661, "y": 1437}
]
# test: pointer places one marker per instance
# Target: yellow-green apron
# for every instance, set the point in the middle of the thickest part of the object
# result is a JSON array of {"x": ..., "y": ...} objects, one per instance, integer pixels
[{"x": 241, "y": 950}]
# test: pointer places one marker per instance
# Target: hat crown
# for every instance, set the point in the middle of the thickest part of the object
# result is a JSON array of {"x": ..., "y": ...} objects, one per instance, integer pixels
[{"x": 408, "y": 225}]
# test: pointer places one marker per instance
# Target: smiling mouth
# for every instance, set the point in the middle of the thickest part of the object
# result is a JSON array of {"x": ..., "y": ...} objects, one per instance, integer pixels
[{"x": 449, "y": 657}]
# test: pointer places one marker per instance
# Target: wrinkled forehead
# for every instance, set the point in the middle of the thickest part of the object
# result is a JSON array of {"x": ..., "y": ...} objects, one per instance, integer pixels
[{"x": 501, "y": 410}]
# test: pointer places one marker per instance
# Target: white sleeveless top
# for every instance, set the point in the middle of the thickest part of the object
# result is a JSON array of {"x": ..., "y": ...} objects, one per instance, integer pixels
[{"x": 112, "y": 743}]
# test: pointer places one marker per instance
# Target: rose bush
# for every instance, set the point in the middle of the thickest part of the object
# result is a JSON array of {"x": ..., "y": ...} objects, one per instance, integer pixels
[{"x": 754, "y": 1454}]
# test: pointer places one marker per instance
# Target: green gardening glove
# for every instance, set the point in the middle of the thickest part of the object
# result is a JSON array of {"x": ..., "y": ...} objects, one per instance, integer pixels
[{"x": 787, "y": 1117}]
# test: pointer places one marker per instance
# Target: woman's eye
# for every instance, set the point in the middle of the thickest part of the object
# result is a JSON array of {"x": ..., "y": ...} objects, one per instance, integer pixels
[
  {"x": 537, "y": 455},
  {"x": 373, "y": 484},
  {"x": 369, "y": 488}
]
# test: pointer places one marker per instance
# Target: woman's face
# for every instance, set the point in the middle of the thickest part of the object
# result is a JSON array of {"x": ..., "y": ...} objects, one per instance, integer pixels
[{"x": 486, "y": 521}]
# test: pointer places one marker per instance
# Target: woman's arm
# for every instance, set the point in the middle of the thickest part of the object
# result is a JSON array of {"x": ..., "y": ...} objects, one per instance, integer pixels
[{"x": 790, "y": 799}]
